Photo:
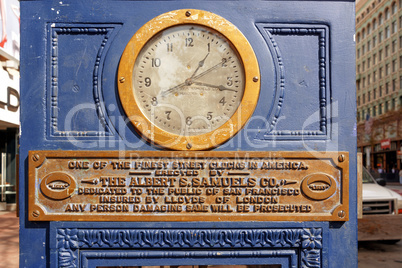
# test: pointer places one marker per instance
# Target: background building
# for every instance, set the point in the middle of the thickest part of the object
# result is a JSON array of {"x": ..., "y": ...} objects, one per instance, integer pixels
[
  {"x": 9, "y": 100},
  {"x": 379, "y": 84}
]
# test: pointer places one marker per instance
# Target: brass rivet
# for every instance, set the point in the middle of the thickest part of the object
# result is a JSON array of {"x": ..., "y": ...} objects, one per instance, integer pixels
[
  {"x": 35, "y": 157},
  {"x": 341, "y": 214},
  {"x": 35, "y": 213},
  {"x": 122, "y": 79},
  {"x": 255, "y": 79},
  {"x": 341, "y": 158},
  {"x": 188, "y": 146},
  {"x": 188, "y": 13}
]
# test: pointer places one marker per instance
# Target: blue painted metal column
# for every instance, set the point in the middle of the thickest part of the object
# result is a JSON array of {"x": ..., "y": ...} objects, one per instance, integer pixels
[{"x": 70, "y": 56}]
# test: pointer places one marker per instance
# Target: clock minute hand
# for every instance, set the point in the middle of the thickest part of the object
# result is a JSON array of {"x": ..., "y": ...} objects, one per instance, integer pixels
[
  {"x": 221, "y": 88},
  {"x": 220, "y": 64},
  {"x": 200, "y": 64}
]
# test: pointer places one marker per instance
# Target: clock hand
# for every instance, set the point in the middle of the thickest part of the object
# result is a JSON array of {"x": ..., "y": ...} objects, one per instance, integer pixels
[
  {"x": 221, "y": 88},
  {"x": 170, "y": 90},
  {"x": 189, "y": 81},
  {"x": 200, "y": 64},
  {"x": 224, "y": 60}
]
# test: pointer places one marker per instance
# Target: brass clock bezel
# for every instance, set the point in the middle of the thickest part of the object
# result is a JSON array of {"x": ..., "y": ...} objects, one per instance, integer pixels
[{"x": 204, "y": 141}]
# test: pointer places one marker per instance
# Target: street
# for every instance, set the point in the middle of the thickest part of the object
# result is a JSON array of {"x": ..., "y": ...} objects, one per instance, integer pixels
[{"x": 372, "y": 254}]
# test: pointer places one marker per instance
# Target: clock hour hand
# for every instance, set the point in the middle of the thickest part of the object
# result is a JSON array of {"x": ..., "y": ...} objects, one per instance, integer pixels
[
  {"x": 220, "y": 64},
  {"x": 221, "y": 88},
  {"x": 200, "y": 64}
]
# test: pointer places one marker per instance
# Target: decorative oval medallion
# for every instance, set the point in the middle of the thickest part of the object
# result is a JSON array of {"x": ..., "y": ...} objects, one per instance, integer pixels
[
  {"x": 58, "y": 185},
  {"x": 318, "y": 186}
]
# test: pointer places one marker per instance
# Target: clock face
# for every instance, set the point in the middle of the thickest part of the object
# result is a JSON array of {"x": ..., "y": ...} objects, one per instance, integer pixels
[{"x": 188, "y": 80}]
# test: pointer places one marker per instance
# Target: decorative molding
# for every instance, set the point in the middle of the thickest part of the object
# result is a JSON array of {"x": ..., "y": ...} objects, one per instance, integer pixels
[
  {"x": 321, "y": 31},
  {"x": 307, "y": 241},
  {"x": 56, "y": 31}
]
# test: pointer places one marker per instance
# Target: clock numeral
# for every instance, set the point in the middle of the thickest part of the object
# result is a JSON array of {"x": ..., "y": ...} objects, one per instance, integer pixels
[
  {"x": 169, "y": 47},
  {"x": 224, "y": 60},
  {"x": 222, "y": 101},
  {"x": 189, "y": 42},
  {"x": 147, "y": 81},
  {"x": 209, "y": 47},
  {"x": 229, "y": 82},
  {"x": 188, "y": 121},
  {"x": 156, "y": 62},
  {"x": 154, "y": 101},
  {"x": 168, "y": 114},
  {"x": 209, "y": 115}
]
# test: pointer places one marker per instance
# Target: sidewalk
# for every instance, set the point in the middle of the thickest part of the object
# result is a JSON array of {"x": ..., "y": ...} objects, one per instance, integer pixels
[{"x": 9, "y": 248}]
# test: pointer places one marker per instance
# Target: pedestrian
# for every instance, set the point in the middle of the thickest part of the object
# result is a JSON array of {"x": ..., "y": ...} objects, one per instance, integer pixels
[{"x": 400, "y": 176}]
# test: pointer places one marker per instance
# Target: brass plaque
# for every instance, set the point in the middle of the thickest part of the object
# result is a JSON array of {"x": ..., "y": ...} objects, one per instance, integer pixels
[{"x": 188, "y": 186}]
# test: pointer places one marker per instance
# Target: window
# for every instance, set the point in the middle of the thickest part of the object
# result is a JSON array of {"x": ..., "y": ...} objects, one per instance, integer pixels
[
  {"x": 368, "y": 62},
  {"x": 387, "y": 32},
  {"x": 394, "y": 28},
  {"x": 374, "y": 24},
  {"x": 400, "y": 41},
  {"x": 369, "y": 96},
  {"x": 380, "y": 19},
  {"x": 393, "y": 46},
  {"x": 364, "y": 82},
  {"x": 368, "y": 45},
  {"x": 374, "y": 93},
  {"x": 358, "y": 68},
  {"x": 363, "y": 49},
  {"x": 387, "y": 69},
  {"x": 358, "y": 100},
  {"x": 394, "y": 9},
  {"x": 380, "y": 72},
  {"x": 374, "y": 41},
  {"x": 386, "y": 50},
  {"x": 374, "y": 59},
  {"x": 358, "y": 53},
  {"x": 368, "y": 79},
  {"x": 386, "y": 107},
  {"x": 386, "y": 13},
  {"x": 380, "y": 37},
  {"x": 400, "y": 83},
  {"x": 380, "y": 54},
  {"x": 358, "y": 38},
  {"x": 380, "y": 109},
  {"x": 393, "y": 104},
  {"x": 363, "y": 33},
  {"x": 364, "y": 98},
  {"x": 400, "y": 62},
  {"x": 374, "y": 76},
  {"x": 386, "y": 88},
  {"x": 394, "y": 85},
  {"x": 364, "y": 65},
  {"x": 380, "y": 91},
  {"x": 374, "y": 110},
  {"x": 368, "y": 29},
  {"x": 394, "y": 66}
]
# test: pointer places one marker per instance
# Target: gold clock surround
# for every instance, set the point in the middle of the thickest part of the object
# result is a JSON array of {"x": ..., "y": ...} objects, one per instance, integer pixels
[{"x": 160, "y": 137}]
